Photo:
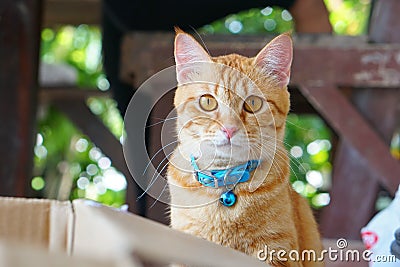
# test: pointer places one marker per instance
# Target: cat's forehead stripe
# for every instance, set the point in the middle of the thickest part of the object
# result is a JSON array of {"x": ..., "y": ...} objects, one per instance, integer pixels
[
  {"x": 216, "y": 89},
  {"x": 231, "y": 87}
]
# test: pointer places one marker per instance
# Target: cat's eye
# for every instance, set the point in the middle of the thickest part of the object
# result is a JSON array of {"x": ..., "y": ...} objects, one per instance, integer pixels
[
  {"x": 252, "y": 104},
  {"x": 208, "y": 102}
]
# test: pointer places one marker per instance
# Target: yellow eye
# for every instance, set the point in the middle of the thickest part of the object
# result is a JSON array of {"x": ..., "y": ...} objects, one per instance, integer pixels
[
  {"x": 208, "y": 102},
  {"x": 252, "y": 104}
]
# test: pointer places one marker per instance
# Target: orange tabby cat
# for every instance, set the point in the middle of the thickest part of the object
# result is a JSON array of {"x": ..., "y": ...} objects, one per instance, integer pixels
[{"x": 232, "y": 109}]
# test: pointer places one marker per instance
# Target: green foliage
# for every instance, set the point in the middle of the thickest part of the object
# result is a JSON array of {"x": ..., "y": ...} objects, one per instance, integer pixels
[
  {"x": 308, "y": 142},
  {"x": 107, "y": 111},
  {"x": 253, "y": 21},
  {"x": 349, "y": 17},
  {"x": 79, "y": 47},
  {"x": 68, "y": 164}
]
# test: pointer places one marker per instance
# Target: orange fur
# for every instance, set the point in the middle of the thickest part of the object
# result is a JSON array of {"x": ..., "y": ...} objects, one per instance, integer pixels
[{"x": 271, "y": 213}]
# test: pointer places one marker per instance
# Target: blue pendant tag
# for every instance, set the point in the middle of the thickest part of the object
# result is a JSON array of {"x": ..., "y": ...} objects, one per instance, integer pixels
[{"x": 228, "y": 199}]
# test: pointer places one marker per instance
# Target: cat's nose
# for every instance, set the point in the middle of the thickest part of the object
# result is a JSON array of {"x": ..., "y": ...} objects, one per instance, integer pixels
[{"x": 229, "y": 131}]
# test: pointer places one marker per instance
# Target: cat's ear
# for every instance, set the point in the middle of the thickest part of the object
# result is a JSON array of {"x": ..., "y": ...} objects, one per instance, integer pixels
[
  {"x": 276, "y": 58},
  {"x": 187, "y": 52}
]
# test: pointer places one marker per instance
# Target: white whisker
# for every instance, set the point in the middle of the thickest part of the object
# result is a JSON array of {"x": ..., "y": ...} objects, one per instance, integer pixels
[
  {"x": 148, "y": 164},
  {"x": 154, "y": 177},
  {"x": 162, "y": 121},
  {"x": 278, "y": 154},
  {"x": 158, "y": 198}
]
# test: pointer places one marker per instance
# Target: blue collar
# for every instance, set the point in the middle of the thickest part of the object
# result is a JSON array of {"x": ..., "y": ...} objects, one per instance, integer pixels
[{"x": 224, "y": 177}]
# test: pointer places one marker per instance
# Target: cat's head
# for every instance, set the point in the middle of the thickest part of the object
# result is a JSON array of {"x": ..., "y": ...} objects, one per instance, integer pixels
[{"x": 231, "y": 108}]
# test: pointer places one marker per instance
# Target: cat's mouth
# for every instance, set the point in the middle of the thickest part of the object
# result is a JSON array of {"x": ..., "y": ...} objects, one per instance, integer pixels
[
  {"x": 228, "y": 144},
  {"x": 219, "y": 142}
]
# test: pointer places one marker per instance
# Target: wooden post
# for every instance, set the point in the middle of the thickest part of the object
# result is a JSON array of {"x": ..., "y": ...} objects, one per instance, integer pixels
[
  {"x": 384, "y": 22},
  {"x": 19, "y": 52}
]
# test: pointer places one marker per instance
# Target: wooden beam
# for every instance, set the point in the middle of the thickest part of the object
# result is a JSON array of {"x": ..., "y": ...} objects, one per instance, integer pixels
[
  {"x": 357, "y": 190},
  {"x": 338, "y": 60},
  {"x": 19, "y": 53},
  {"x": 353, "y": 195},
  {"x": 74, "y": 12},
  {"x": 48, "y": 94},
  {"x": 347, "y": 122}
]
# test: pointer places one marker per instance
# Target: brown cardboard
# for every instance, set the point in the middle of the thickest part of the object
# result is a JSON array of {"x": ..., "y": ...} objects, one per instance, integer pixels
[
  {"x": 127, "y": 233},
  {"x": 46, "y": 231},
  {"x": 20, "y": 255},
  {"x": 38, "y": 222},
  {"x": 40, "y": 233}
]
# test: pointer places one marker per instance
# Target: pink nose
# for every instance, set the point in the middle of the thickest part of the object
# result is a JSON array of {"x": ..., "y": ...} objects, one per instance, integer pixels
[{"x": 229, "y": 131}]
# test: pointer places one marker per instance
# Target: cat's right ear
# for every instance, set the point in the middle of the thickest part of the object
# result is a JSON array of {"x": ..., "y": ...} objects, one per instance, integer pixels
[
  {"x": 276, "y": 58},
  {"x": 187, "y": 52}
]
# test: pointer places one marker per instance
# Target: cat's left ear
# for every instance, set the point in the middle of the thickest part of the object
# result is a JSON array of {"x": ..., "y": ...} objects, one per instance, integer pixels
[
  {"x": 276, "y": 58},
  {"x": 187, "y": 53}
]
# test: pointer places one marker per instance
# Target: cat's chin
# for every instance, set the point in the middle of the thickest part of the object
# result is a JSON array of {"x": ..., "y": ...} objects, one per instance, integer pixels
[
  {"x": 234, "y": 155},
  {"x": 227, "y": 146}
]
